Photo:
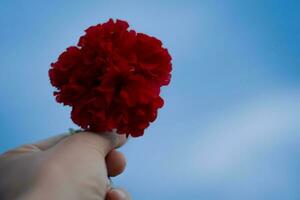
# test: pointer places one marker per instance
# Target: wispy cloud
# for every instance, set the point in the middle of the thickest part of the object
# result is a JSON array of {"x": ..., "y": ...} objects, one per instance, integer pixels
[{"x": 239, "y": 136}]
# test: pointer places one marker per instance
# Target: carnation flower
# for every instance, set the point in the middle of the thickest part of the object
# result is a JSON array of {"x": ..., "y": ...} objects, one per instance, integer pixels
[{"x": 112, "y": 78}]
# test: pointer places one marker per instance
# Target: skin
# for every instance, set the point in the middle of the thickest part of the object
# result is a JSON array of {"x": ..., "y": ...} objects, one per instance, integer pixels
[{"x": 66, "y": 167}]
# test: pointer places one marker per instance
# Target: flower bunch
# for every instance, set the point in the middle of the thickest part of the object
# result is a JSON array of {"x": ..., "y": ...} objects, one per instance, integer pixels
[{"x": 112, "y": 78}]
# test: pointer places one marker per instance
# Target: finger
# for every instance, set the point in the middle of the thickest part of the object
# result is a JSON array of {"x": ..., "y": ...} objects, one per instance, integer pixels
[
  {"x": 112, "y": 140},
  {"x": 20, "y": 150},
  {"x": 117, "y": 194},
  {"x": 102, "y": 142},
  {"x": 50, "y": 142},
  {"x": 115, "y": 163},
  {"x": 36, "y": 147}
]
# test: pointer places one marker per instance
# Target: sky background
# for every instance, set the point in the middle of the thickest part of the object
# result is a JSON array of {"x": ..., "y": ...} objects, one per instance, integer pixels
[{"x": 230, "y": 127}]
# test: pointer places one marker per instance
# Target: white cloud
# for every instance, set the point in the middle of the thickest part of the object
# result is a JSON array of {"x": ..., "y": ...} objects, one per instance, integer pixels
[{"x": 239, "y": 136}]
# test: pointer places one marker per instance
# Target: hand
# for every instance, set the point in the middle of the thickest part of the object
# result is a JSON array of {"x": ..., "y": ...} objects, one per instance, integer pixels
[{"x": 66, "y": 167}]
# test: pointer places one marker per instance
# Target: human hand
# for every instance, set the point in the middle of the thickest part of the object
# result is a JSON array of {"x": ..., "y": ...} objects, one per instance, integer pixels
[{"x": 66, "y": 167}]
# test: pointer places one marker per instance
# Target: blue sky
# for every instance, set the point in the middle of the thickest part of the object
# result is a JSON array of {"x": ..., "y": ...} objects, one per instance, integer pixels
[{"x": 230, "y": 128}]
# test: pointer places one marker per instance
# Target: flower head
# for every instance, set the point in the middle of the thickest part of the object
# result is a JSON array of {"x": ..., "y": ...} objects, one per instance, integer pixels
[{"x": 112, "y": 78}]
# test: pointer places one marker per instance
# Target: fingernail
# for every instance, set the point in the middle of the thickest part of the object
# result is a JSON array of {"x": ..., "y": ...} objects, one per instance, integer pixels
[{"x": 118, "y": 193}]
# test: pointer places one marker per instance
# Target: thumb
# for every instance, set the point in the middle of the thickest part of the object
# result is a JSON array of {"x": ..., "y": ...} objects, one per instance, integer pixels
[
  {"x": 38, "y": 146},
  {"x": 102, "y": 142}
]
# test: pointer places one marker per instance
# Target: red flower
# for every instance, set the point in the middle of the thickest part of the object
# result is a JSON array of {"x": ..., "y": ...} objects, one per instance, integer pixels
[{"x": 112, "y": 79}]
